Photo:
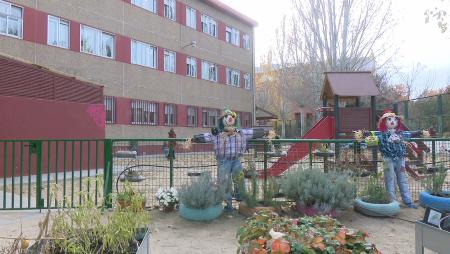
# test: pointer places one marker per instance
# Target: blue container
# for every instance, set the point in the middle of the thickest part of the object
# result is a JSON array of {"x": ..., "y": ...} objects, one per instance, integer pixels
[
  {"x": 376, "y": 210},
  {"x": 439, "y": 203},
  {"x": 207, "y": 214}
]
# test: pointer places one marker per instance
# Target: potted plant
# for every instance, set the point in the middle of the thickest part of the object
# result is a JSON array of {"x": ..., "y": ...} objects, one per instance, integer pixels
[
  {"x": 269, "y": 233},
  {"x": 125, "y": 197},
  {"x": 251, "y": 202},
  {"x": 375, "y": 200},
  {"x": 167, "y": 199},
  {"x": 319, "y": 193},
  {"x": 201, "y": 200},
  {"x": 434, "y": 195}
]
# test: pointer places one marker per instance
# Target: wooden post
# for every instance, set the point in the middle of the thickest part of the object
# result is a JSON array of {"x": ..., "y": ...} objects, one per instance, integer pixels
[
  {"x": 358, "y": 102},
  {"x": 373, "y": 126},
  {"x": 336, "y": 124}
]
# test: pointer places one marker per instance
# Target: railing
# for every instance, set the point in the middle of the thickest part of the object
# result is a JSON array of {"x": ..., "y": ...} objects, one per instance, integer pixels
[{"x": 37, "y": 174}]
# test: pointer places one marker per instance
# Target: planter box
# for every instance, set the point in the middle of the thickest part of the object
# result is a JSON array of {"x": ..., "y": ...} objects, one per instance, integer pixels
[
  {"x": 144, "y": 246},
  {"x": 431, "y": 238}
]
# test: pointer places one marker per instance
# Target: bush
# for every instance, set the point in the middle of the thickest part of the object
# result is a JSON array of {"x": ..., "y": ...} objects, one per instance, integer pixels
[
  {"x": 323, "y": 191},
  {"x": 202, "y": 193},
  {"x": 375, "y": 192},
  {"x": 435, "y": 183}
]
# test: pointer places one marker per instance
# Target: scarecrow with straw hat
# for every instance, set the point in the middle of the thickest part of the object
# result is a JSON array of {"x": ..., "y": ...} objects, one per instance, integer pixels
[
  {"x": 390, "y": 139},
  {"x": 230, "y": 143}
]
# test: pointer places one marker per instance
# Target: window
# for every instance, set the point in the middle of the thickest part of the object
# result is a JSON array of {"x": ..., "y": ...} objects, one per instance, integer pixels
[
  {"x": 209, "y": 117},
  {"x": 144, "y": 112},
  {"x": 96, "y": 42},
  {"x": 209, "y": 25},
  {"x": 247, "y": 84},
  {"x": 170, "y": 114},
  {"x": 233, "y": 77},
  {"x": 209, "y": 71},
  {"x": 191, "y": 18},
  {"x": 246, "y": 41},
  {"x": 58, "y": 32},
  {"x": 169, "y": 9},
  {"x": 110, "y": 109},
  {"x": 11, "y": 20},
  {"x": 191, "y": 67},
  {"x": 143, "y": 54},
  {"x": 169, "y": 61},
  {"x": 149, "y": 5},
  {"x": 192, "y": 116},
  {"x": 232, "y": 36}
]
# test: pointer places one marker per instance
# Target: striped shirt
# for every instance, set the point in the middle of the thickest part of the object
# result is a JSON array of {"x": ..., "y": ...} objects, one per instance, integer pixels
[{"x": 228, "y": 147}]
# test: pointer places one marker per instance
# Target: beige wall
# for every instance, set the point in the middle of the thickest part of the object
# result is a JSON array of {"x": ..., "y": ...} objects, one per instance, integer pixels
[{"x": 132, "y": 81}]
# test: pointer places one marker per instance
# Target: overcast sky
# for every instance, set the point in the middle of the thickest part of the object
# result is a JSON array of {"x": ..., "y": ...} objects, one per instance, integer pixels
[{"x": 417, "y": 42}]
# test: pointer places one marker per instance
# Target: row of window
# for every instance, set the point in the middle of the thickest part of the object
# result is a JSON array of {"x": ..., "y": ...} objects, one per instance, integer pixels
[
  {"x": 146, "y": 113},
  {"x": 209, "y": 24},
  {"x": 100, "y": 43}
]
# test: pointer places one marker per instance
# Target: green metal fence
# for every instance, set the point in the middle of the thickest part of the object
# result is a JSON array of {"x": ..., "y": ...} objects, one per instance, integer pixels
[{"x": 51, "y": 173}]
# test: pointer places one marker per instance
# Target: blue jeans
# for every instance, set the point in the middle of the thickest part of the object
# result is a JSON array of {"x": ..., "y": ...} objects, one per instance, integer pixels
[
  {"x": 395, "y": 168},
  {"x": 228, "y": 170}
]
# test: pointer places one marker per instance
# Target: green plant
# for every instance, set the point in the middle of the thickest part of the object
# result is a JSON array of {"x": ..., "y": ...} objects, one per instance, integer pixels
[
  {"x": 435, "y": 183},
  {"x": 128, "y": 194},
  {"x": 202, "y": 193},
  {"x": 375, "y": 192},
  {"x": 309, "y": 235},
  {"x": 323, "y": 191}
]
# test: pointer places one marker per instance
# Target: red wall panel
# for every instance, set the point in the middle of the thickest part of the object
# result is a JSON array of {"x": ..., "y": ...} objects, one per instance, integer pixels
[
  {"x": 199, "y": 21},
  {"x": 46, "y": 119},
  {"x": 160, "y": 58},
  {"x": 123, "y": 110},
  {"x": 161, "y": 114},
  {"x": 35, "y": 26},
  {"x": 160, "y": 8},
  {"x": 181, "y": 13},
  {"x": 200, "y": 116},
  {"x": 75, "y": 36},
  {"x": 182, "y": 115},
  {"x": 181, "y": 64},
  {"x": 221, "y": 30},
  {"x": 199, "y": 68},
  {"x": 222, "y": 74},
  {"x": 123, "y": 49}
]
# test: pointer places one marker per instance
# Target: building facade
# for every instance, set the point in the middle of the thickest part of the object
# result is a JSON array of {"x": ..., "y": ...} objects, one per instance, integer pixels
[{"x": 162, "y": 63}]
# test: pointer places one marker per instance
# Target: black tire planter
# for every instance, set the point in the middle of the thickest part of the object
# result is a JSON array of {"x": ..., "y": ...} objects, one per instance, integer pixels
[
  {"x": 436, "y": 202},
  {"x": 376, "y": 210}
]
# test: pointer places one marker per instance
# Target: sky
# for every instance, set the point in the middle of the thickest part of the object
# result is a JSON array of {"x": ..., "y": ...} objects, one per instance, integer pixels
[{"x": 416, "y": 41}]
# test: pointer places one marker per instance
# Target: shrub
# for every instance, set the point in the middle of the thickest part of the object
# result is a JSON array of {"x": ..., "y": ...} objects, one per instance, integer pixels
[
  {"x": 323, "y": 191},
  {"x": 435, "y": 183},
  {"x": 375, "y": 192},
  {"x": 201, "y": 193}
]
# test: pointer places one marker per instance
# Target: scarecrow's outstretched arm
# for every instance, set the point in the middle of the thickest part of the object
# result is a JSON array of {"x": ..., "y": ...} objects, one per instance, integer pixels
[
  {"x": 252, "y": 133},
  {"x": 205, "y": 137}
]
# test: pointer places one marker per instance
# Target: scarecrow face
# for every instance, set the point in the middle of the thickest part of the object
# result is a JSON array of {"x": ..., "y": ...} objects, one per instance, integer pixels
[
  {"x": 229, "y": 120},
  {"x": 391, "y": 122}
]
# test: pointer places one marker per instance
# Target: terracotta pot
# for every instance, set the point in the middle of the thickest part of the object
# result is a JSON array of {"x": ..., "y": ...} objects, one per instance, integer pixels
[
  {"x": 312, "y": 211},
  {"x": 250, "y": 211}
]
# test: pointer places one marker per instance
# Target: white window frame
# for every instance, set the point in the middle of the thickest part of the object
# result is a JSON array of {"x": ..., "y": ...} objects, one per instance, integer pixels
[
  {"x": 191, "y": 66},
  {"x": 207, "y": 116},
  {"x": 170, "y": 61},
  {"x": 9, "y": 18},
  {"x": 110, "y": 104},
  {"x": 232, "y": 35},
  {"x": 233, "y": 77},
  {"x": 59, "y": 22},
  {"x": 170, "y": 114},
  {"x": 209, "y": 71},
  {"x": 191, "y": 17},
  {"x": 247, "y": 83},
  {"x": 141, "y": 3},
  {"x": 209, "y": 25},
  {"x": 145, "y": 51},
  {"x": 101, "y": 48},
  {"x": 170, "y": 9},
  {"x": 192, "y": 114},
  {"x": 246, "y": 41},
  {"x": 147, "y": 107}
]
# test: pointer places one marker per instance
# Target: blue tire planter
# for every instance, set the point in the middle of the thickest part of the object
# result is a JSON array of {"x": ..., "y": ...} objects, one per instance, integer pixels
[
  {"x": 440, "y": 203},
  {"x": 207, "y": 214},
  {"x": 377, "y": 210}
]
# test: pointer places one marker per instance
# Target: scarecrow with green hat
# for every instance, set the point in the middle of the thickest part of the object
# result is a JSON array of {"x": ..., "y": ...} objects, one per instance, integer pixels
[{"x": 230, "y": 143}]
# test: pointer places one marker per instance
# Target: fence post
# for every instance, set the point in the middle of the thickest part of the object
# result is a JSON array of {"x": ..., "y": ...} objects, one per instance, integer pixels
[
  {"x": 108, "y": 168},
  {"x": 310, "y": 155},
  {"x": 266, "y": 149},
  {"x": 395, "y": 108},
  {"x": 38, "y": 147},
  {"x": 171, "y": 157},
  {"x": 439, "y": 113},
  {"x": 405, "y": 109},
  {"x": 433, "y": 152}
]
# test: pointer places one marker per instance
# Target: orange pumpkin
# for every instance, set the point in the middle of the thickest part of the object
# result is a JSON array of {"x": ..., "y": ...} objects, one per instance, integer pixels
[{"x": 281, "y": 246}]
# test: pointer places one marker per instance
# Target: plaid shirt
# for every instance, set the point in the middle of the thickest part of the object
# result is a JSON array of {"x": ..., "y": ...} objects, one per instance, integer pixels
[
  {"x": 228, "y": 147},
  {"x": 391, "y": 149}
]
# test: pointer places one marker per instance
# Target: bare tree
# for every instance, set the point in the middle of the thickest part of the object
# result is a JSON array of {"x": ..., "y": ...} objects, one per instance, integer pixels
[
  {"x": 439, "y": 14},
  {"x": 410, "y": 79}
]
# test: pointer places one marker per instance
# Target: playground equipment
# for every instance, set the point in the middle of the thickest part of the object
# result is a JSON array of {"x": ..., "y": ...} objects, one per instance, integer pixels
[{"x": 341, "y": 115}]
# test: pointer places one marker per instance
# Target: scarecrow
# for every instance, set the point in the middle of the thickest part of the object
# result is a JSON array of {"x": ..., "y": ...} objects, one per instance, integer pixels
[
  {"x": 230, "y": 143},
  {"x": 390, "y": 140}
]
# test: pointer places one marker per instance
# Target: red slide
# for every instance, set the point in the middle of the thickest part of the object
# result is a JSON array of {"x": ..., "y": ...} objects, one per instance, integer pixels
[{"x": 323, "y": 129}]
